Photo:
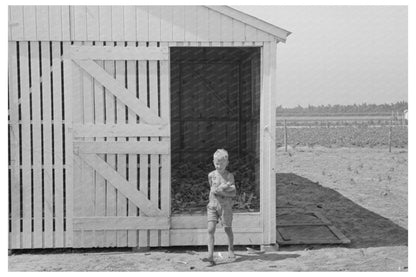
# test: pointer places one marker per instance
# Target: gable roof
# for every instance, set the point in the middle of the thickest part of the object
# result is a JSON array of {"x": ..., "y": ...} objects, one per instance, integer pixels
[
  {"x": 279, "y": 33},
  {"x": 139, "y": 23}
]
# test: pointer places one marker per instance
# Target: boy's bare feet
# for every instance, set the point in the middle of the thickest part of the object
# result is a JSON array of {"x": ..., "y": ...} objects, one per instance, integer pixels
[
  {"x": 231, "y": 254},
  {"x": 210, "y": 260}
]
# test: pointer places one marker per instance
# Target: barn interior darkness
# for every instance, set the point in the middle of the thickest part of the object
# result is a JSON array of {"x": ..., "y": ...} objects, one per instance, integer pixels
[{"x": 215, "y": 103}]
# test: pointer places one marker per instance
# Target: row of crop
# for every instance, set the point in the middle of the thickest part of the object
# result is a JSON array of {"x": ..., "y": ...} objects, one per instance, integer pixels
[
  {"x": 344, "y": 136},
  {"x": 341, "y": 123}
]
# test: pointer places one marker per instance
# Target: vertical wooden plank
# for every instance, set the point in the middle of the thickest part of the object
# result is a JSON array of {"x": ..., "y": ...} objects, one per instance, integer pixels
[
  {"x": 191, "y": 23},
  {"x": 238, "y": 31},
  {"x": 262, "y": 36},
  {"x": 55, "y": 23},
  {"x": 178, "y": 29},
  {"x": 266, "y": 144},
  {"x": 111, "y": 236},
  {"x": 214, "y": 25},
  {"x": 69, "y": 154},
  {"x": 80, "y": 23},
  {"x": 72, "y": 23},
  {"x": 202, "y": 23},
  {"x": 165, "y": 159},
  {"x": 130, "y": 23},
  {"x": 265, "y": 75},
  {"x": 142, "y": 23},
  {"x": 266, "y": 157},
  {"x": 11, "y": 156},
  {"x": 93, "y": 23},
  {"x": 117, "y": 23},
  {"x": 36, "y": 146},
  {"x": 105, "y": 23},
  {"x": 250, "y": 33},
  {"x": 77, "y": 118},
  {"x": 58, "y": 143},
  {"x": 88, "y": 207},
  {"x": 16, "y": 23},
  {"x": 154, "y": 158},
  {"x": 29, "y": 20},
  {"x": 166, "y": 15},
  {"x": 65, "y": 23},
  {"x": 132, "y": 158},
  {"x": 42, "y": 23},
  {"x": 143, "y": 234},
  {"x": 154, "y": 23},
  {"x": 226, "y": 28},
  {"x": 25, "y": 144},
  {"x": 14, "y": 146},
  {"x": 121, "y": 158},
  {"x": 9, "y": 33},
  {"x": 100, "y": 185},
  {"x": 47, "y": 145},
  {"x": 272, "y": 145}
]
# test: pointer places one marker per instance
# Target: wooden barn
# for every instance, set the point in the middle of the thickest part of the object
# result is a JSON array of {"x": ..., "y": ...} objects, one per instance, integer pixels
[{"x": 106, "y": 101}]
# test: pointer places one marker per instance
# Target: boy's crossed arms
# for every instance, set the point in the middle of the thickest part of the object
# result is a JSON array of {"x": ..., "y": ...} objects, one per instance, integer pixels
[{"x": 226, "y": 189}]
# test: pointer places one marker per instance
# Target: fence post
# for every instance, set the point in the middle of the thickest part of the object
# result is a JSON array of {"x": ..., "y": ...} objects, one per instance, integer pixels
[
  {"x": 390, "y": 134},
  {"x": 285, "y": 135}
]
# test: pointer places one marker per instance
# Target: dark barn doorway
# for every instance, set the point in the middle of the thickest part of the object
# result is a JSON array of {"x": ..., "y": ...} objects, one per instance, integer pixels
[{"x": 215, "y": 103}]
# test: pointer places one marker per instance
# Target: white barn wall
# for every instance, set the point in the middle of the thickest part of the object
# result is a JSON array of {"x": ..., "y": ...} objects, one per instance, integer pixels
[
  {"x": 128, "y": 23},
  {"x": 173, "y": 26}
]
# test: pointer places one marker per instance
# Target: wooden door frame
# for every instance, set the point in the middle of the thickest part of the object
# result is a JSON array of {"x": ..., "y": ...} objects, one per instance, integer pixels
[{"x": 151, "y": 124}]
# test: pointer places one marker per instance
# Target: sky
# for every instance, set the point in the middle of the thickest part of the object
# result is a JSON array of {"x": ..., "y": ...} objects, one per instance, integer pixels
[{"x": 339, "y": 54}]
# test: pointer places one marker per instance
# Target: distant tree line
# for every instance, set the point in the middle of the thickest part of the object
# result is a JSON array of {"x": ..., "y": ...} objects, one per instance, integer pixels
[{"x": 365, "y": 109}]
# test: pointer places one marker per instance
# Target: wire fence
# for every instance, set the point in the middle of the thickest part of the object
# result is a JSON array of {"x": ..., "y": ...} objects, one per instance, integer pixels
[{"x": 342, "y": 131}]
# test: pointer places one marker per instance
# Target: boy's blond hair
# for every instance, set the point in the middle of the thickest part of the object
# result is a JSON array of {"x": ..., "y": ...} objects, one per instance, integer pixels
[{"x": 221, "y": 154}]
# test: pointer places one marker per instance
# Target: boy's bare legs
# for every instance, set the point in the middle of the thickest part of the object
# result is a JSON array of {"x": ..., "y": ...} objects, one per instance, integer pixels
[
  {"x": 230, "y": 236},
  {"x": 211, "y": 239}
]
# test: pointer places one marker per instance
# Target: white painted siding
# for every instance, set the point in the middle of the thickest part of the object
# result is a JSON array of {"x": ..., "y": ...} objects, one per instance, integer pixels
[{"x": 128, "y": 23}]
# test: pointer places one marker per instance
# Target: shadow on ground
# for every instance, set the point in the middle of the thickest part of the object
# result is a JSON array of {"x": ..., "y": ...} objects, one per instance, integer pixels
[
  {"x": 257, "y": 257},
  {"x": 265, "y": 257},
  {"x": 363, "y": 227}
]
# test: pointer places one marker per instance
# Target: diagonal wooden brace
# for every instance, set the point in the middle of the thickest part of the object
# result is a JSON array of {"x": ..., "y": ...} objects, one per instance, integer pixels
[
  {"x": 124, "y": 95},
  {"x": 121, "y": 184}
]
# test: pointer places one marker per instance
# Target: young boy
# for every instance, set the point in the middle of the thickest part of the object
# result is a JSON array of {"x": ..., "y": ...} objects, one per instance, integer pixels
[{"x": 220, "y": 202}]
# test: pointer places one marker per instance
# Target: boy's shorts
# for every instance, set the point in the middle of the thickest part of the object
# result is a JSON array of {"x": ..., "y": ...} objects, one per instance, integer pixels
[{"x": 223, "y": 212}]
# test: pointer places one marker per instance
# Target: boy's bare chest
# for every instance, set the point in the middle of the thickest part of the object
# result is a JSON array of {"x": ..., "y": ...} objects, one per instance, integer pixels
[{"x": 218, "y": 179}]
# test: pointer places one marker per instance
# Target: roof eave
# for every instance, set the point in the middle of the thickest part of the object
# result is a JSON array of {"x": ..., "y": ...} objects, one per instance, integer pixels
[{"x": 279, "y": 33}]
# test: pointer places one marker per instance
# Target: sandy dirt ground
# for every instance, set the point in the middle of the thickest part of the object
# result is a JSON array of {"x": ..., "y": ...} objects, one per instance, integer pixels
[{"x": 363, "y": 192}]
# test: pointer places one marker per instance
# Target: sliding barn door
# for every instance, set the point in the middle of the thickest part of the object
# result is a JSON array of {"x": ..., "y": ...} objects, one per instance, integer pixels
[{"x": 121, "y": 144}]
